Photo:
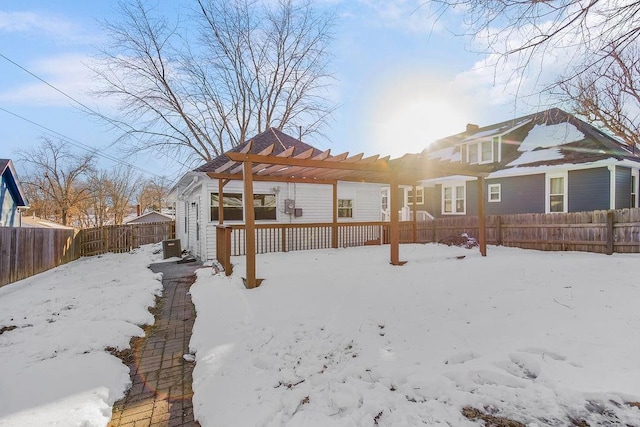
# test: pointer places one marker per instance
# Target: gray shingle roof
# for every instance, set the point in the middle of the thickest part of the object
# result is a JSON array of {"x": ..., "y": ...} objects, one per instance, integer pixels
[
  {"x": 593, "y": 146},
  {"x": 259, "y": 142}
]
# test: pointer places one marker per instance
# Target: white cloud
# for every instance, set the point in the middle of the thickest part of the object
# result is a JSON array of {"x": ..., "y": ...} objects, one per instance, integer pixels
[
  {"x": 42, "y": 25},
  {"x": 68, "y": 73},
  {"x": 412, "y": 15}
]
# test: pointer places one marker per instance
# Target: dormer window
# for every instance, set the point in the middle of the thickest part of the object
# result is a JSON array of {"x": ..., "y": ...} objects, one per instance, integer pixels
[{"x": 483, "y": 152}]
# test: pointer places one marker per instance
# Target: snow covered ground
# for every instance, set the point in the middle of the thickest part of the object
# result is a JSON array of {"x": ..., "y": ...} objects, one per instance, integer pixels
[
  {"x": 54, "y": 369},
  {"x": 342, "y": 338}
]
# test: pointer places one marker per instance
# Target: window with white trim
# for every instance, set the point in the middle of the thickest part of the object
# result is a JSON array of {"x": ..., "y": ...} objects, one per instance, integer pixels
[
  {"x": 494, "y": 192},
  {"x": 482, "y": 152},
  {"x": 556, "y": 192},
  {"x": 453, "y": 199},
  {"x": 345, "y": 208},
  {"x": 264, "y": 206},
  {"x": 419, "y": 196},
  {"x": 486, "y": 152},
  {"x": 472, "y": 154}
]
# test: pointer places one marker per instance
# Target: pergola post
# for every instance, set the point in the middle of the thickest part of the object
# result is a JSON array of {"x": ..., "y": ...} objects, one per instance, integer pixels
[
  {"x": 415, "y": 214},
  {"x": 394, "y": 229},
  {"x": 482, "y": 231},
  {"x": 334, "y": 227},
  {"x": 250, "y": 281},
  {"x": 220, "y": 201}
]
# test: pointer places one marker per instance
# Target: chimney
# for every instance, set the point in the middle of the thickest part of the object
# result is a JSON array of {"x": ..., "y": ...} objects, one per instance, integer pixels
[
  {"x": 138, "y": 210},
  {"x": 471, "y": 128}
]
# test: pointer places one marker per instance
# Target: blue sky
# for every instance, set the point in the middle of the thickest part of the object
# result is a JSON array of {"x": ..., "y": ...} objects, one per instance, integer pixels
[{"x": 402, "y": 80}]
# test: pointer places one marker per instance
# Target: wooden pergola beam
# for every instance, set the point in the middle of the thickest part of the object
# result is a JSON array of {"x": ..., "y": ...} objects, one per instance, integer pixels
[{"x": 378, "y": 166}]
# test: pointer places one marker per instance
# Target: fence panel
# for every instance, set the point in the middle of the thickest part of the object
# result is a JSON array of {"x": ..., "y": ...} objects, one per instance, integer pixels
[{"x": 25, "y": 252}]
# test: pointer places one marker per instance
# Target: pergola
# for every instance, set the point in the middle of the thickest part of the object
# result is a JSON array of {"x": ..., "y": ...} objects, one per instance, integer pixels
[{"x": 323, "y": 168}]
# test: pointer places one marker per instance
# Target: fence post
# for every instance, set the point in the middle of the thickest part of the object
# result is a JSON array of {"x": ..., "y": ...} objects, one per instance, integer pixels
[
  {"x": 223, "y": 248},
  {"x": 609, "y": 249},
  {"x": 499, "y": 230}
]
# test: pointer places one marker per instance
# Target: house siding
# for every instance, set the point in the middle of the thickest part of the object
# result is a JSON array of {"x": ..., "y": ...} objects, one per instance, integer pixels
[
  {"x": 589, "y": 189},
  {"x": 315, "y": 200},
  {"x": 518, "y": 194},
  {"x": 622, "y": 188},
  {"x": 10, "y": 215}
]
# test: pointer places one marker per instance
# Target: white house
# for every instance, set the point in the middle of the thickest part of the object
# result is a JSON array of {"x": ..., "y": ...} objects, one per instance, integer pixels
[{"x": 197, "y": 201}]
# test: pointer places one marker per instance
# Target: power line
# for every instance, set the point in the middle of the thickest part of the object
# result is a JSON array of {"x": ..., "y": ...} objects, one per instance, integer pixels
[
  {"x": 87, "y": 108},
  {"x": 81, "y": 145}
]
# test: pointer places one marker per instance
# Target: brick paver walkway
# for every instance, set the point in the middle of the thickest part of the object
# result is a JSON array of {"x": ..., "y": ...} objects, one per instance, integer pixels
[{"x": 160, "y": 395}]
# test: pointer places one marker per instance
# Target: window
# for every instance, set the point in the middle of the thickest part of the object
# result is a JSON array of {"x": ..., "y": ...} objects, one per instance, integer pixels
[
  {"x": 264, "y": 206},
  {"x": 385, "y": 199},
  {"x": 453, "y": 200},
  {"x": 557, "y": 193},
  {"x": 494, "y": 192},
  {"x": 486, "y": 148},
  {"x": 473, "y": 154},
  {"x": 345, "y": 208},
  {"x": 481, "y": 152},
  {"x": 419, "y": 194}
]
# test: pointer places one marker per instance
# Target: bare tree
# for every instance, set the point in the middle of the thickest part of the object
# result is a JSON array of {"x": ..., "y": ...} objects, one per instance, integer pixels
[
  {"x": 243, "y": 67},
  {"x": 582, "y": 30},
  {"x": 153, "y": 195},
  {"x": 592, "y": 45},
  {"x": 55, "y": 175},
  {"x": 121, "y": 187},
  {"x": 95, "y": 211},
  {"x": 609, "y": 97}
]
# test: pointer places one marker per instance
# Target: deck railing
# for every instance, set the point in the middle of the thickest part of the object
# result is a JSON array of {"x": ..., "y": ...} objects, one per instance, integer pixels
[{"x": 595, "y": 231}]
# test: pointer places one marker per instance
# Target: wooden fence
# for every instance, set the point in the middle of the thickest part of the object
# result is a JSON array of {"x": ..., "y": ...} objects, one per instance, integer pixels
[
  {"x": 122, "y": 238},
  {"x": 597, "y": 231},
  {"x": 25, "y": 251},
  {"x": 28, "y": 251}
]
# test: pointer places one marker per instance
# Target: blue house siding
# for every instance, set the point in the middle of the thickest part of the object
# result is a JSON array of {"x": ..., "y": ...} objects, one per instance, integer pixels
[
  {"x": 519, "y": 194},
  {"x": 10, "y": 217},
  {"x": 589, "y": 189},
  {"x": 623, "y": 187}
]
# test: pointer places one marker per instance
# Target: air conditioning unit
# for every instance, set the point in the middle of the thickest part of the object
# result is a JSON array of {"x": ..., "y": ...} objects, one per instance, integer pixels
[{"x": 289, "y": 206}]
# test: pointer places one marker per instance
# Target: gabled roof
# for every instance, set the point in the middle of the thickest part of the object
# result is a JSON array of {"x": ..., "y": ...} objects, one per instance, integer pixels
[
  {"x": 149, "y": 217},
  {"x": 281, "y": 140},
  {"x": 551, "y": 137},
  {"x": 10, "y": 177}
]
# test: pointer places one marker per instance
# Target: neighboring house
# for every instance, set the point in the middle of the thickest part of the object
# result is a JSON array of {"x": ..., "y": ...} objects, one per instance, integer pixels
[
  {"x": 12, "y": 198},
  {"x": 541, "y": 163},
  {"x": 197, "y": 197},
  {"x": 149, "y": 217},
  {"x": 32, "y": 221}
]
